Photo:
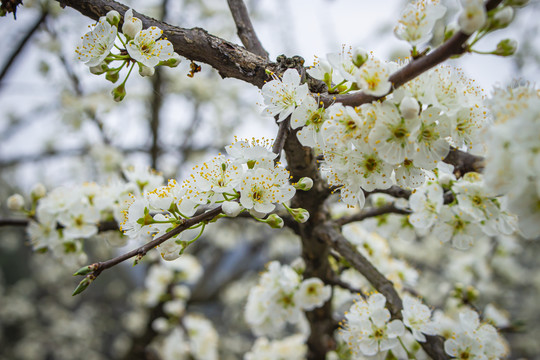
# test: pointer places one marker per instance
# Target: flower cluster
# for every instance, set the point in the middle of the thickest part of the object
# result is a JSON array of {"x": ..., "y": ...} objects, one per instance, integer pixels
[
  {"x": 474, "y": 340},
  {"x": 64, "y": 217},
  {"x": 368, "y": 329},
  {"x": 475, "y": 211},
  {"x": 380, "y": 144},
  {"x": 141, "y": 47},
  {"x": 280, "y": 297},
  {"x": 513, "y": 156},
  {"x": 248, "y": 180}
]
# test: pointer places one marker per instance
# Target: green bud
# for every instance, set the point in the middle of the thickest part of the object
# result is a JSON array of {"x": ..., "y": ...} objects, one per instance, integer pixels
[
  {"x": 274, "y": 221},
  {"x": 502, "y": 18},
  {"x": 300, "y": 215},
  {"x": 145, "y": 70},
  {"x": 83, "y": 285},
  {"x": 506, "y": 47},
  {"x": 173, "y": 62},
  {"x": 85, "y": 270},
  {"x": 359, "y": 57},
  {"x": 100, "y": 69},
  {"x": 113, "y": 17},
  {"x": 119, "y": 93},
  {"x": 112, "y": 76},
  {"x": 251, "y": 164},
  {"x": 304, "y": 184}
]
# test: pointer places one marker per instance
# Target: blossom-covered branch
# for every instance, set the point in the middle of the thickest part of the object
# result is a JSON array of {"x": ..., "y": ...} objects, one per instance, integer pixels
[
  {"x": 94, "y": 270},
  {"x": 229, "y": 59},
  {"x": 453, "y": 46},
  {"x": 328, "y": 231}
]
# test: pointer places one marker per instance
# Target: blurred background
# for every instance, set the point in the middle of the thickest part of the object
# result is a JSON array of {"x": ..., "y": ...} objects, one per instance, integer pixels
[{"x": 60, "y": 126}]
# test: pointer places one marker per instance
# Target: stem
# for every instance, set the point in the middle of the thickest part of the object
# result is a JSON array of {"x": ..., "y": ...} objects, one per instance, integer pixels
[{"x": 409, "y": 354}]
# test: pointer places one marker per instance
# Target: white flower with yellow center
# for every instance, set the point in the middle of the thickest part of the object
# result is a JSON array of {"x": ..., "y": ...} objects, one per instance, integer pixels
[
  {"x": 372, "y": 77},
  {"x": 262, "y": 188},
  {"x": 418, "y": 19},
  {"x": 146, "y": 49},
  {"x": 97, "y": 44},
  {"x": 393, "y": 136},
  {"x": 281, "y": 97}
]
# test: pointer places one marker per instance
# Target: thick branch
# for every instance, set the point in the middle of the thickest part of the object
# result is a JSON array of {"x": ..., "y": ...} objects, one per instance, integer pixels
[
  {"x": 453, "y": 46},
  {"x": 434, "y": 346},
  {"x": 464, "y": 162},
  {"x": 245, "y": 29},
  {"x": 229, "y": 59}
]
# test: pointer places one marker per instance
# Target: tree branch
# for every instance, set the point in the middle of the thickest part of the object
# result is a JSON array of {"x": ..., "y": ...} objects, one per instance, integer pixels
[
  {"x": 21, "y": 45},
  {"x": 453, "y": 46},
  {"x": 230, "y": 60},
  {"x": 245, "y": 29},
  {"x": 464, "y": 162},
  {"x": 99, "y": 267},
  {"x": 434, "y": 346},
  {"x": 386, "y": 209},
  {"x": 281, "y": 136}
]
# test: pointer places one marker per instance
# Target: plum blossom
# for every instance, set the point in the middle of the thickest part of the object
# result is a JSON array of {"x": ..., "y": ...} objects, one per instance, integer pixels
[
  {"x": 418, "y": 19},
  {"x": 368, "y": 329},
  {"x": 97, "y": 44},
  {"x": 281, "y": 97},
  {"x": 146, "y": 49}
]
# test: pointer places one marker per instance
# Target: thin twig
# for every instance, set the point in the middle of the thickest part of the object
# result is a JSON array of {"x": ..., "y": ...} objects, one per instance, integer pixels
[
  {"x": 21, "y": 45},
  {"x": 342, "y": 284},
  {"x": 13, "y": 222},
  {"x": 386, "y": 209},
  {"x": 245, "y": 29},
  {"x": 142, "y": 250}
]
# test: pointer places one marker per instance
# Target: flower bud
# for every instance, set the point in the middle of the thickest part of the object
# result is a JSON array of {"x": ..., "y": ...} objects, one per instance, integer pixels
[
  {"x": 359, "y": 57},
  {"x": 502, "y": 18},
  {"x": 300, "y": 215},
  {"x": 304, "y": 184},
  {"x": 145, "y": 70},
  {"x": 15, "y": 202},
  {"x": 132, "y": 25},
  {"x": 409, "y": 107},
  {"x": 274, "y": 221},
  {"x": 472, "y": 18},
  {"x": 119, "y": 93},
  {"x": 172, "y": 62},
  {"x": 231, "y": 208},
  {"x": 99, "y": 69},
  {"x": 83, "y": 284},
  {"x": 506, "y": 47},
  {"x": 112, "y": 76},
  {"x": 38, "y": 191},
  {"x": 113, "y": 17}
]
